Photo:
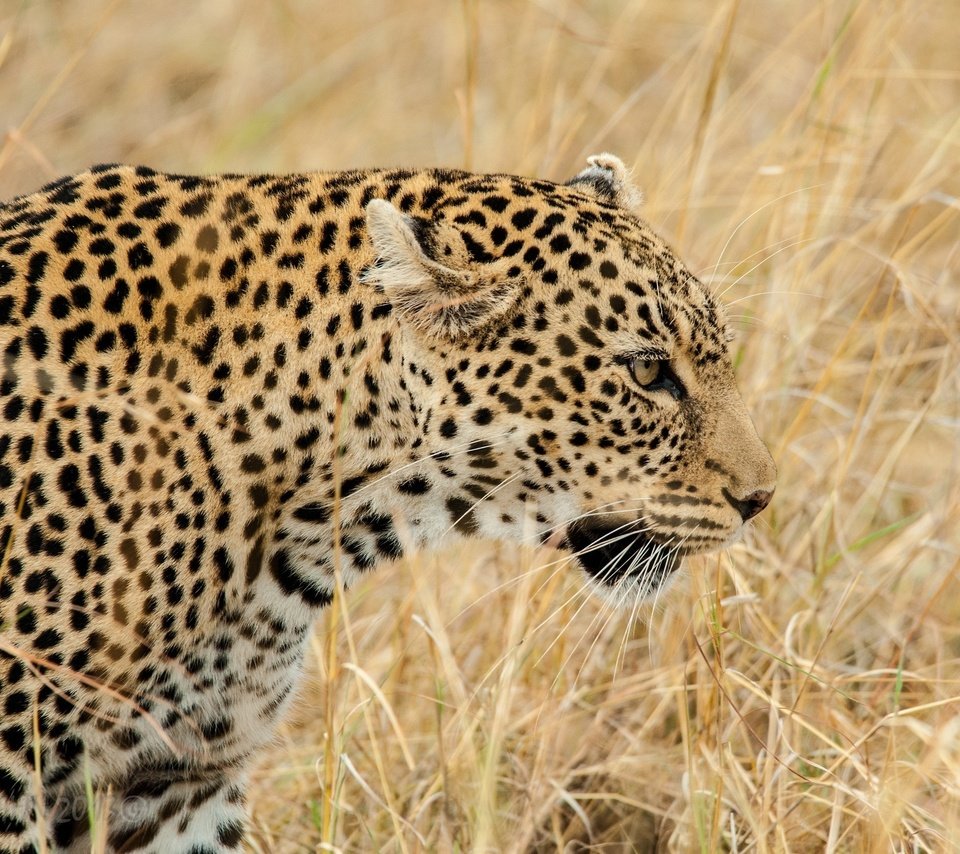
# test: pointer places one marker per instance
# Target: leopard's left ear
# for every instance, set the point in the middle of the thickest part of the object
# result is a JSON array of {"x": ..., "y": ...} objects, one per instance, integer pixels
[
  {"x": 447, "y": 300},
  {"x": 608, "y": 178}
]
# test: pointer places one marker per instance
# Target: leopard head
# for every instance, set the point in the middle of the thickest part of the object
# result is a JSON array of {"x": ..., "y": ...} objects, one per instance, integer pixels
[{"x": 584, "y": 391}]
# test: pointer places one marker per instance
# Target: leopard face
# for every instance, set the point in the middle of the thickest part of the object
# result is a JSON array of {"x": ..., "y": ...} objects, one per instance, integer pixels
[{"x": 586, "y": 391}]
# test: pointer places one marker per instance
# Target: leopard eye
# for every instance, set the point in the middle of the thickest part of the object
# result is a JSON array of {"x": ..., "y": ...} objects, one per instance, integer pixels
[
  {"x": 644, "y": 371},
  {"x": 656, "y": 375}
]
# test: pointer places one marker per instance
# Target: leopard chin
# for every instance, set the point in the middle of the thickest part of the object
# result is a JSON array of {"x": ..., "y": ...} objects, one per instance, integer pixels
[{"x": 618, "y": 555}]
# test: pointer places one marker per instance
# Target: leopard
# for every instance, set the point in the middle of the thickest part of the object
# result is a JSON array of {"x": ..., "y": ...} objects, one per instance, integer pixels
[{"x": 226, "y": 399}]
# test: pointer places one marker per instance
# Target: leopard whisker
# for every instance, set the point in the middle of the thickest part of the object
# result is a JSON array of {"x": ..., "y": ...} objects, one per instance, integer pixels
[
  {"x": 612, "y": 607},
  {"x": 760, "y": 263},
  {"x": 707, "y": 278},
  {"x": 754, "y": 213}
]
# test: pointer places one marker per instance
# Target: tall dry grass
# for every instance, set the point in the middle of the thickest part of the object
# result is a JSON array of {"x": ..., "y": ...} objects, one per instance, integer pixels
[{"x": 800, "y": 692}]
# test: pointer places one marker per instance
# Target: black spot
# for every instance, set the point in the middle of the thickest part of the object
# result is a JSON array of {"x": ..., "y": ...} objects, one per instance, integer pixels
[
  {"x": 204, "y": 352},
  {"x": 566, "y": 346},
  {"x": 512, "y": 403},
  {"x": 16, "y": 703},
  {"x": 588, "y": 336},
  {"x": 230, "y": 834},
  {"x": 139, "y": 256},
  {"x": 328, "y": 236},
  {"x": 475, "y": 217},
  {"x": 37, "y": 342},
  {"x": 9, "y": 824},
  {"x": 47, "y": 639},
  {"x": 346, "y": 276},
  {"x": 356, "y": 315},
  {"x": 107, "y": 269},
  {"x": 290, "y": 582},
  {"x": 167, "y": 234},
  {"x": 228, "y": 269},
  {"x": 575, "y": 378},
  {"x": 461, "y": 515},
  {"x": 26, "y": 620},
  {"x": 291, "y": 261},
  {"x": 74, "y": 270},
  {"x": 150, "y": 288},
  {"x": 252, "y": 463},
  {"x": 150, "y": 209},
  {"x": 476, "y": 250},
  {"x": 304, "y": 307},
  {"x": 208, "y": 240},
  {"x": 101, "y": 246},
  {"x": 268, "y": 242},
  {"x": 13, "y": 737},
  {"x": 350, "y": 485},
  {"x": 178, "y": 272},
  {"x": 197, "y": 206},
  {"x": 125, "y": 738},
  {"x": 496, "y": 203},
  {"x": 284, "y": 292},
  {"x": 60, "y": 306},
  {"x": 11, "y": 786},
  {"x": 522, "y": 219},
  {"x": 549, "y": 224},
  {"x": 482, "y": 416},
  {"x": 414, "y": 486},
  {"x": 37, "y": 267},
  {"x": 315, "y": 512},
  {"x": 65, "y": 240},
  {"x": 259, "y": 494}
]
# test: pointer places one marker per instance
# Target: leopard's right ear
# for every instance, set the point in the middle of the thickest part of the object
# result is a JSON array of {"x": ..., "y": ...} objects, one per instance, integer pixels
[
  {"x": 609, "y": 179},
  {"x": 440, "y": 300}
]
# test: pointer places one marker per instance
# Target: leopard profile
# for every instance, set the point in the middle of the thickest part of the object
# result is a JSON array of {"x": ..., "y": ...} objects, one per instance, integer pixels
[{"x": 219, "y": 394}]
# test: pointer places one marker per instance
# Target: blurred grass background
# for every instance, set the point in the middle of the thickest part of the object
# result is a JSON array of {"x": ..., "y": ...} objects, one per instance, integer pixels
[{"x": 798, "y": 693}]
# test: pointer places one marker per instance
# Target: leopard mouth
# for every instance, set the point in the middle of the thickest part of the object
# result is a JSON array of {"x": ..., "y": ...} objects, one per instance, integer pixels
[{"x": 612, "y": 553}]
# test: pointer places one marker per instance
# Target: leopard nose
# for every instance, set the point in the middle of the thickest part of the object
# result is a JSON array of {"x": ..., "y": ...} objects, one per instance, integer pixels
[{"x": 751, "y": 505}]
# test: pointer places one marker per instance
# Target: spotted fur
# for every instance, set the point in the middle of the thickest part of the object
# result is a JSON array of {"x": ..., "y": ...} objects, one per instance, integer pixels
[{"x": 217, "y": 392}]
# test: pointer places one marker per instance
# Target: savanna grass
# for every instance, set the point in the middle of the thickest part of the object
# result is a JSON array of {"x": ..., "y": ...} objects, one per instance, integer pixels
[{"x": 797, "y": 693}]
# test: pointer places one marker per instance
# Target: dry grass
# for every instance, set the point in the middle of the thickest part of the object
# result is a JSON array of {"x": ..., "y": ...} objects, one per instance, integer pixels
[{"x": 799, "y": 693}]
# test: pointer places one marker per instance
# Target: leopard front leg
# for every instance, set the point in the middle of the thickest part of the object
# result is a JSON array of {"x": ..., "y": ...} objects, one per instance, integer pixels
[
  {"x": 205, "y": 814},
  {"x": 19, "y": 831}
]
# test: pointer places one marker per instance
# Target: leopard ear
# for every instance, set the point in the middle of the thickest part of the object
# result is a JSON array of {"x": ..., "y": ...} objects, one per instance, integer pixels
[
  {"x": 445, "y": 301},
  {"x": 608, "y": 178}
]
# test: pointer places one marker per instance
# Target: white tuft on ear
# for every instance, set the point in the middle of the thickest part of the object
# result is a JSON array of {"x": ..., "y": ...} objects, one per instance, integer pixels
[
  {"x": 401, "y": 262},
  {"x": 432, "y": 296},
  {"x": 609, "y": 178}
]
